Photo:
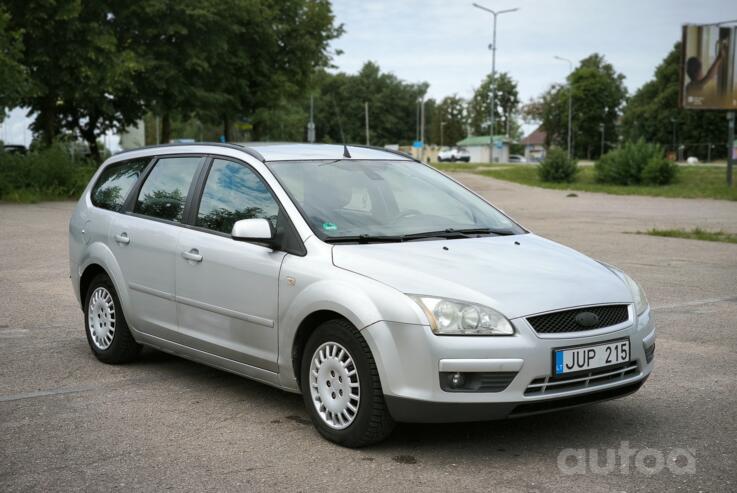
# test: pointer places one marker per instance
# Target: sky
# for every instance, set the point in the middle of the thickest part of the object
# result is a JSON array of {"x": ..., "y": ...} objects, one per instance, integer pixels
[{"x": 446, "y": 42}]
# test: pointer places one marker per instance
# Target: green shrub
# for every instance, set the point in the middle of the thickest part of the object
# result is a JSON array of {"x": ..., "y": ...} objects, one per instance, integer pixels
[
  {"x": 659, "y": 171},
  {"x": 48, "y": 174},
  {"x": 557, "y": 167},
  {"x": 627, "y": 164}
]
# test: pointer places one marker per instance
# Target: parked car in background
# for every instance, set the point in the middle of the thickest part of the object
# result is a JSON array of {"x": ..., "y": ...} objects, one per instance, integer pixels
[
  {"x": 454, "y": 154},
  {"x": 516, "y": 158},
  {"x": 15, "y": 149},
  {"x": 374, "y": 285}
]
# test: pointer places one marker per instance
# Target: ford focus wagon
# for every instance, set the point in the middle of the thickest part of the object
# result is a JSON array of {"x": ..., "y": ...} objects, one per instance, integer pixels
[{"x": 377, "y": 287}]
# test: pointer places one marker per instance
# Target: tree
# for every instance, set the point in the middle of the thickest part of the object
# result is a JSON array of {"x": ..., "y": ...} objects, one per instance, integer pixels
[
  {"x": 506, "y": 105},
  {"x": 653, "y": 114},
  {"x": 13, "y": 75},
  {"x": 393, "y": 104},
  {"x": 451, "y": 112},
  {"x": 80, "y": 77},
  {"x": 598, "y": 93}
]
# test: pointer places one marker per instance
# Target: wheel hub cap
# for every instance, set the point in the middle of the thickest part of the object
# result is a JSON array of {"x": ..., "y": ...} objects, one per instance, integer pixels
[
  {"x": 334, "y": 385},
  {"x": 101, "y": 318}
]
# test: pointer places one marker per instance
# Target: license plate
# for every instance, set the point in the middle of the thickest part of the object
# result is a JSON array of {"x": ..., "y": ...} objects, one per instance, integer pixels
[{"x": 581, "y": 358}]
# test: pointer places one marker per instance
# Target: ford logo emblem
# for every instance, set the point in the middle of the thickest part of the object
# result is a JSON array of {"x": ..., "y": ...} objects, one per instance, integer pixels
[{"x": 587, "y": 319}]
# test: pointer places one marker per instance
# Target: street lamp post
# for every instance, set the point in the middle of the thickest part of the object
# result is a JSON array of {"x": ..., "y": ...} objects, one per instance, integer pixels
[
  {"x": 442, "y": 124},
  {"x": 570, "y": 101},
  {"x": 493, "y": 72}
]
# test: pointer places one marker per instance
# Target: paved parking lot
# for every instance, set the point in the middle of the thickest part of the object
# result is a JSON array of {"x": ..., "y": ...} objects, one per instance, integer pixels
[{"x": 69, "y": 422}]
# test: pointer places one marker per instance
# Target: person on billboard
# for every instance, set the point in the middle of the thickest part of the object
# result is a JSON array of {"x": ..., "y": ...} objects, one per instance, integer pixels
[{"x": 694, "y": 67}]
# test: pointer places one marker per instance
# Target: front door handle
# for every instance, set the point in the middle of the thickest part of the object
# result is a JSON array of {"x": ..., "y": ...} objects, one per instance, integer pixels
[
  {"x": 122, "y": 238},
  {"x": 193, "y": 255}
]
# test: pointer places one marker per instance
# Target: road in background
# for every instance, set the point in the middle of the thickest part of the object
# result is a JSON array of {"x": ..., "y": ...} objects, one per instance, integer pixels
[{"x": 68, "y": 421}]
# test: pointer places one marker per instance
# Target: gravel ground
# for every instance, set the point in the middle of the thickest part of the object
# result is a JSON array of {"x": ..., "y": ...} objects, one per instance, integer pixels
[{"x": 69, "y": 422}]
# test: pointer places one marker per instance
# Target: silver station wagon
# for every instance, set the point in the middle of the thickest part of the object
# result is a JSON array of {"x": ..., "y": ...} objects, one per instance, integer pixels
[{"x": 377, "y": 287}]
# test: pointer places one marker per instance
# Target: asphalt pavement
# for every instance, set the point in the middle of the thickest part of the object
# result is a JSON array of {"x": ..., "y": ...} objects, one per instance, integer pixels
[{"x": 69, "y": 422}]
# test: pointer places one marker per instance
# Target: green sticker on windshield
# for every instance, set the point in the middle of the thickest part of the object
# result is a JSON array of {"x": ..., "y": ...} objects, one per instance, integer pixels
[{"x": 329, "y": 226}]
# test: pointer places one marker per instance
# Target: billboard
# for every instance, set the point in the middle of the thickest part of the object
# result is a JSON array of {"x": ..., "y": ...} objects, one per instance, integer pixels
[{"x": 709, "y": 67}]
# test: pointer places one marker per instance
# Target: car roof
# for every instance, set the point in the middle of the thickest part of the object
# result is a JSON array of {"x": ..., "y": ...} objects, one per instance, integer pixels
[{"x": 285, "y": 151}]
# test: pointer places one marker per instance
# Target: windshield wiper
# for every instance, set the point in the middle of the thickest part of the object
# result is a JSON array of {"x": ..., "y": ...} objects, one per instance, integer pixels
[
  {"x": 451, "y": 233},
  {"x": 364, "y": 239},
  {"x": 448, "y": 234}
]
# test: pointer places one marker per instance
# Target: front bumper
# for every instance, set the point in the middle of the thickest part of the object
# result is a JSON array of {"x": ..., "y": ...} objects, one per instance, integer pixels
[{"x": 410, "y": 359}]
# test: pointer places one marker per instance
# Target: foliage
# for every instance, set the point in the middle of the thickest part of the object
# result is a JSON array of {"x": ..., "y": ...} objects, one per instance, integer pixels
[
  {"x": 653, "y": 114},
  {"x": 693, "y": 234},
  {"x": 96, "y": 66},
  {"x": 340, "y": 110},
  {"x": 48, "y": 174},
  {"x": 598, "y": 93},
  {"x": 627, "y": 164},
  {"x": 703, "y": 182},
  {"x": 558, "y": 167},
  {"x": 451, "y": 114},
  {"x": 13, "y": 75},
  {"x": 506, "y": 105},
  {"x": 659, "y": 171}
]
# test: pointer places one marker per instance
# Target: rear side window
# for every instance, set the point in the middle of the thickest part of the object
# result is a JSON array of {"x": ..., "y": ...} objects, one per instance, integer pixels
[
  {"x": 165, "y": 190},
  {"x": 115, "y": 182},
  {"x": 234, "y": 192}
]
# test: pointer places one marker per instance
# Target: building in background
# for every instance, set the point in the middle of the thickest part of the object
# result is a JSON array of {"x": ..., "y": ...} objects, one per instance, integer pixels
[
  {"x": 133, "y": 137},
  {"x": 535, "y": 145},
  {"x": 478, "y": 147}
]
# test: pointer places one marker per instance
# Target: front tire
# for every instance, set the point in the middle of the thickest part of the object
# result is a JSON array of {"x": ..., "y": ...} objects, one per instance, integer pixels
[
  {"x": 107, "y": 331},
  {"x": 341, "y": 386}
]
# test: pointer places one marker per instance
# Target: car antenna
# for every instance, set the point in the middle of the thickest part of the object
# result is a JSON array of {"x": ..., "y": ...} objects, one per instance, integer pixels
[{"x": 346, "y": 154}]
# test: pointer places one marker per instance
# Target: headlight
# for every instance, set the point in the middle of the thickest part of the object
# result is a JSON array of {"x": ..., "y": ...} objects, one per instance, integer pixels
[
  {"x": 452, "y": 317},
  {"x": 638, "y": 294}
]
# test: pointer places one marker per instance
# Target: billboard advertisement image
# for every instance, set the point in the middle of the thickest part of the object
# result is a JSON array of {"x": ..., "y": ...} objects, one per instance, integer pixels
[{"x": 709, "y": 67}]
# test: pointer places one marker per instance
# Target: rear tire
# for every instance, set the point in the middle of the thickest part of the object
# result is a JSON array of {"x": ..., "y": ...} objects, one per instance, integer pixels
[
  {"x": 107, "y": 331},
  {"x": 341, "y": 387}
]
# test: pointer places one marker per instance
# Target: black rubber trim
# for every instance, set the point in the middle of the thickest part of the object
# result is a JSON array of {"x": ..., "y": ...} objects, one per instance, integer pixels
[{"x": 419, "y": 411}]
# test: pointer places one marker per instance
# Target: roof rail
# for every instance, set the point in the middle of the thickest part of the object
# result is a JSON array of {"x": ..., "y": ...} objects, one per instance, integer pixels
[
  {"x": 390, "y": 151},
  {"x": 248, "y": 150}
]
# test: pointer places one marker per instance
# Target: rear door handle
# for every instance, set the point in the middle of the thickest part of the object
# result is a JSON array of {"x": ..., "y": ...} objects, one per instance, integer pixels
[
  {"x": 193, "y": 255},
  {"x": 122, "y": 238}
]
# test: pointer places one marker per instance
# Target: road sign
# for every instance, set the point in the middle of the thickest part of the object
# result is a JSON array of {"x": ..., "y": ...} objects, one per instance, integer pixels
[{"x": 418, "y": 144}]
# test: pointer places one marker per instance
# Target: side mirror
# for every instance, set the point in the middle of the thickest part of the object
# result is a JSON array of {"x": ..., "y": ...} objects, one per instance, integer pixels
[{"x": 254, "y": 231}]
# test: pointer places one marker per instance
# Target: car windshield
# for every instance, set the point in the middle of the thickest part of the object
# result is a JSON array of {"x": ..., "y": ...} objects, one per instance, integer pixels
[{"x": 356, "y": 200}]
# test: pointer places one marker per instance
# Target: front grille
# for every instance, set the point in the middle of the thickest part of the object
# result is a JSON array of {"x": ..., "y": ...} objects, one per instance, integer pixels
[
  {"x": 550, "y": 385},
  {"x": 565, "y": 321},
  {"x": 576, "y": 400}
]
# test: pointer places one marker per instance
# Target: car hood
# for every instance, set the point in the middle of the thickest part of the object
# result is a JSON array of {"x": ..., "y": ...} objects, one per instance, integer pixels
[{"x": 516, "y": 275}]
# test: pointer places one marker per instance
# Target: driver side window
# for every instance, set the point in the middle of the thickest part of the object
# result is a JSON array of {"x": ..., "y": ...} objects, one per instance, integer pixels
[{"x": 233, "y": 192}]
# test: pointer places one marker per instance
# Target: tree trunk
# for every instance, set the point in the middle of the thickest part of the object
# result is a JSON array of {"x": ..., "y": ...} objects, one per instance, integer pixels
[
  {"x": 226, "y": 128},
  {"x": 47, "y": 124},
  {"x": 165, "y": 127}
]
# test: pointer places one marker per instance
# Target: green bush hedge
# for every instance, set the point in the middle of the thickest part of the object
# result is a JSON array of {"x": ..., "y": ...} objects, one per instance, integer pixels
[
  {"x": 49, "y": 174},
  {"x": 558, "y": 167},
  {"x": 635, "y": 163}
]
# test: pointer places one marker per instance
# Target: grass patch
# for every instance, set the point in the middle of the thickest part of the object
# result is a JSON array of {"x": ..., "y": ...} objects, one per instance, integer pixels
[
  {"x": 694, "y": 234},
  {"x": 693, "y": 182},
  {"x": 468, "y": 167}
]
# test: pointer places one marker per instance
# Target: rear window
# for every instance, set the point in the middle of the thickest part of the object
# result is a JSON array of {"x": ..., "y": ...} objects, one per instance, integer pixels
[{"x": 115, "y": 182}]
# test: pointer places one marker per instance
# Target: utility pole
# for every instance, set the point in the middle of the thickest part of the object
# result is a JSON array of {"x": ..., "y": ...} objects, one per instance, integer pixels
[
  {"x": 570, "y": 102},
  {"x": 442, "y": 124},
  {"x": 493, "y": 73},
  {"x": 311, "y": 123},
  {"x": 730, "y": 147},
  {"x": 422, "y": 128},
  {"x": 365, "y": 107}
]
